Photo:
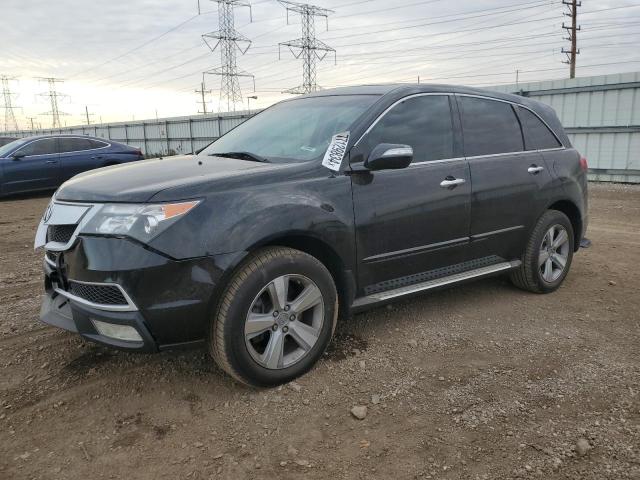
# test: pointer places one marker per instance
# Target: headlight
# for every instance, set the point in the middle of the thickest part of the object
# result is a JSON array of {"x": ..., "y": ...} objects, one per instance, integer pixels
[{"x": 142, "y": 222}]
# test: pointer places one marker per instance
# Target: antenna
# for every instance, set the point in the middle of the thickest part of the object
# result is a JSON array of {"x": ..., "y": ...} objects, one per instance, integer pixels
[
  {"x": 230, "y": 41},
  {"x": 308, "y": 47}
]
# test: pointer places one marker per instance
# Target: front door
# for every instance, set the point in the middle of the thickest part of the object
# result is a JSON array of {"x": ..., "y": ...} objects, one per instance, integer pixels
[
  {"x": 408, "y": 222},
  {"x": 38, "y": 169},
  {"x": 507, "y": 178},
  {"x": 77, "y": 156}
]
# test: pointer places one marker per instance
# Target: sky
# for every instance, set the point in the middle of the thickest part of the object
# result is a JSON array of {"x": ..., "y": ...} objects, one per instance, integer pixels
[{"x": 134, "y": 59}]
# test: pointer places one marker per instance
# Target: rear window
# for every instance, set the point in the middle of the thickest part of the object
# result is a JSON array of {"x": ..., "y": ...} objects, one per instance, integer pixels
[
  {"x": 74, "y": 144},
  {"x": 97, "y": 144},
  {"x": 537, "y": 135},
  {"x": 489, "y": 127}
]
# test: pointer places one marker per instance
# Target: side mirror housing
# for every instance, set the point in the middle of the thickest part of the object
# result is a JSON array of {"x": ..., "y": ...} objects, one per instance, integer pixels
[
  {"x": 389, "y": 156},
  {"x": 18, "y": 156}
]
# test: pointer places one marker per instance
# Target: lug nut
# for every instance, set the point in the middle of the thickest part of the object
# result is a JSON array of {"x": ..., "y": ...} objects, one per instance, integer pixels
[
  {"x": 286, "y": 308},
  {"x": 292, "y": 318},
  {"x": 276, "y": 313},
  {"x": 275, "y": 327},
  {"x": 285, "y": 329}
]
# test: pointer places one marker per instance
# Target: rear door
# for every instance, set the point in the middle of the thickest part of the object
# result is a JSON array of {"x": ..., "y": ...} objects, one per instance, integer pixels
[
  {"x": 38, "y": 169},
  {"x": 77, "y": 155},
  {"x": 407, "y": 221},
  {"x": 507, "y": 178}
]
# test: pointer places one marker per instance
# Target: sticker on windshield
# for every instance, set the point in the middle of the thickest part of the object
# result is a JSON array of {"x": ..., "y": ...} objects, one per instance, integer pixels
[{"x": 335, "y": 153}]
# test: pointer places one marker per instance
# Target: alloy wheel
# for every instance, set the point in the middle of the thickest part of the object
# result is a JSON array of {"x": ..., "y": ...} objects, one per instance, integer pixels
[
  {"x": 284, "y": 321},
  {"x": 554, "y": 253}
]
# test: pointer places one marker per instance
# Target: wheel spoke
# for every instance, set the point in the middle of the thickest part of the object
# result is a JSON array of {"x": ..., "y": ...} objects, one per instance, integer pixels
[
  {"x": 548, "y": 270},
  {"x": 272, "y": 356},
  {"x": 543, "y": 257},
  {"x": 258, "y": 323},
  {"x": 309, "y": 297},
  {"x": 278, "y": 290},
  {"x": 559, "y": 260},
  {"x": 561, "y": 239},
  {"x": 304, "y": 335},
  {"x": 549, "y": 236}
]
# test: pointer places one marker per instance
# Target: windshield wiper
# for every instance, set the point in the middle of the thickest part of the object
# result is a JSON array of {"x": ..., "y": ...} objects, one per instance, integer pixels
[{"x": 254, "y": 157}]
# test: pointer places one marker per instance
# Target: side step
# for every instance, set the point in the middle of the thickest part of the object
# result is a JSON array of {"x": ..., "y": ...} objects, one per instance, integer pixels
[{"x": 439, "y": 282}]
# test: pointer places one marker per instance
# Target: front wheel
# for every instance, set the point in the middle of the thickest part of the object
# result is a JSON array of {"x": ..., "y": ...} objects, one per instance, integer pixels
[
  {"x": 275, "y": 318},
  {"x": 548, "y": 255}
]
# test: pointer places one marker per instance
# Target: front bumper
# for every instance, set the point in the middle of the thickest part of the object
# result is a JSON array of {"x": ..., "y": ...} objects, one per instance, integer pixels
[{"x": 169, "y": 302}]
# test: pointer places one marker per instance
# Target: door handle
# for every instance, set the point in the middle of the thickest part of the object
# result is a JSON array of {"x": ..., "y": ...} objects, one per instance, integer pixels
[
  {"x": 534, "y": 169},
  {"x": 51, "y": 161},
  {"x": 451, "y": 182}
]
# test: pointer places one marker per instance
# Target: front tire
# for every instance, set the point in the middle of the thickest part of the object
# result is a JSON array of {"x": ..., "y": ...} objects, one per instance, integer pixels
[
  {"x": 548, "y": 254},
  {"x": 275, "y": 318}
]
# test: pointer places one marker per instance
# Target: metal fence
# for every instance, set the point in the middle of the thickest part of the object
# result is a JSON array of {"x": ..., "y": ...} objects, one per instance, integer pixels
[
  {"x": 601, "y": 115},
  {"x": 164, "y": 136}
]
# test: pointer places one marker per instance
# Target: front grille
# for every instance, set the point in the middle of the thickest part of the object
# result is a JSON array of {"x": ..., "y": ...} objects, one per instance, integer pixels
[
  {"x": 100, "y": 294},
  {"x": 60, "y": 233}
]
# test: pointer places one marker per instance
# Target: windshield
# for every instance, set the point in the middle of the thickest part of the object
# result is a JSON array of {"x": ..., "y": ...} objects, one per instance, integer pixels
[
  {"x": 293, "y": 131},
  {"x": 5, "y": 149}
]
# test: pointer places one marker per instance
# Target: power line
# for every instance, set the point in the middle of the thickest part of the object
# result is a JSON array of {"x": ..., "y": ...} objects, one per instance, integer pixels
[
  {"x": 307, "y": 47},
  {"x": 7, "y": 97},
  {"x": 203, "y": 102},
  {"x": 229, "y": 40}
]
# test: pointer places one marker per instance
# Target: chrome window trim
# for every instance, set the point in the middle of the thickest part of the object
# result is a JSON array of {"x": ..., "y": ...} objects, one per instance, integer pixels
[
  {"x": 130, "y": 307},
  {"x": 107, "y": 145}
]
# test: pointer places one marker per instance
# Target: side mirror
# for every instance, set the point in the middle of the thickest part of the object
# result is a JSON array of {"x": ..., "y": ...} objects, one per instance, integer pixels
[
  {"x": 389, "y": 156},
  {"x": 18, "y": 155}
]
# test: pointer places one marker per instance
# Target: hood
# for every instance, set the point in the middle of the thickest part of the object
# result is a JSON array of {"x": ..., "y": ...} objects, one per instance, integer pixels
[{"x": 139, "y": 181}]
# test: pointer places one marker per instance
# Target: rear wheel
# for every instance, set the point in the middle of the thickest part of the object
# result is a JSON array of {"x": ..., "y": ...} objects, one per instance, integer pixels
[
  {"x": 275, "y": 318},
  {"x": 548, "y": 255}
]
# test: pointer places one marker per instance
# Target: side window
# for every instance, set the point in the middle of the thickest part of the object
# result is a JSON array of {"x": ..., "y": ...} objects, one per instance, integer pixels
[
  {"x": 74, "y": 144},
  {"x": 489, "y": 127},
  {"x": 536, "y": 134},
  {"x": 44, "y": 146},
  {"x": 97, "y": 144},
  {"x": 422, "y": 122}
]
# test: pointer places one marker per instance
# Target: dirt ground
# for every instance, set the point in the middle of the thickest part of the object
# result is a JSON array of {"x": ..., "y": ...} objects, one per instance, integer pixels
[{"x": 481, "y": 381}]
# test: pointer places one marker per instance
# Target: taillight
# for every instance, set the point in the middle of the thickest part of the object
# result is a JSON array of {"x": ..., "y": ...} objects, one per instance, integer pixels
[{"x": 583, "y": 164}]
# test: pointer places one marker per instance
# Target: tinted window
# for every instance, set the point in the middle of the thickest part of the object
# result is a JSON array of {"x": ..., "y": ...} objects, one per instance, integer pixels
[
  {"x": 40, "y": 147},
  {"x": 536, "y": 133},
  {"x": 74, "y": 144},
  {"x": 422, "y": 122},
  {"x": 97, "y": 144},
  {"x": 489, "y": 127}
]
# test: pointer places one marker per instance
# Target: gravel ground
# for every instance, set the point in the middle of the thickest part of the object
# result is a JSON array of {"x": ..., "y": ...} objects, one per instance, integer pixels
[{"x": 481, "y": 381}]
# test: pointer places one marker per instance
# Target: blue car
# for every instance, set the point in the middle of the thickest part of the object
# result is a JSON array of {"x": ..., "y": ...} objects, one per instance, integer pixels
[{"x": 44, "y": 162}]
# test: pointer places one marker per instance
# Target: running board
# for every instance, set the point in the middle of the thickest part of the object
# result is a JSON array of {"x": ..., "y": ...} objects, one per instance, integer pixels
[{"x": 439, "y": 282}]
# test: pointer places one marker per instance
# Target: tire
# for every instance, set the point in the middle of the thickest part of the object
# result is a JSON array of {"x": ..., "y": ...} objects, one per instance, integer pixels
[
  {"x": 253, "y": 319},
  {"x": 534, "y": 274}
]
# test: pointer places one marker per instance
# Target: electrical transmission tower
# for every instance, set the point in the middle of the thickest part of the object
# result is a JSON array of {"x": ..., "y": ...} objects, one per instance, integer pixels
[
  {"x": 53, "y": 99},
  {"x": 230, "y": 42},
  {"x": 308, "y": 47},
  {"x": 572, "y": 31},
  {"x": 10, "y": 121},
  {"x": 203, "y": 101}
]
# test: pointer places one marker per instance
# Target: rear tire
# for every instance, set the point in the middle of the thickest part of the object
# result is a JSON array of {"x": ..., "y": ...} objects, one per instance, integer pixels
[
  {"x": 547, "y": 256},
  {"x": 275, "y": 317}
]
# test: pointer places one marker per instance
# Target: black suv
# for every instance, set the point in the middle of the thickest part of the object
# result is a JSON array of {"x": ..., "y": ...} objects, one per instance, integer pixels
[{"x": 324, "y": 204}]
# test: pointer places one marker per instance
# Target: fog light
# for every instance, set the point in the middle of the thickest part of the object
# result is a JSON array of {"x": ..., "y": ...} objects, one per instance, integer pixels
[{"x": 120, "y": 332}]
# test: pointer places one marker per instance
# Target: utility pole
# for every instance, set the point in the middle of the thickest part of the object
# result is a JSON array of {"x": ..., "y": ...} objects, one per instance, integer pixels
[
  {"x": 572, "y": 31},
  {"x": 33, "y": 127},
  {"x": 202, "y": 100},
  {"x": 10, "y": 121},
  {"x": 53, "y": 100},
  {"x": 229, "y": 40},
  {"x": 253, "y": 97},
  {"x": 87, "y": 114},
  {"x": 308, "y": 47}
]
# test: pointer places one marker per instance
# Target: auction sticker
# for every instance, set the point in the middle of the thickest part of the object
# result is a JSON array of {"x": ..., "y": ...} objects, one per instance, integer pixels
[{"x": 335, "y": 153}]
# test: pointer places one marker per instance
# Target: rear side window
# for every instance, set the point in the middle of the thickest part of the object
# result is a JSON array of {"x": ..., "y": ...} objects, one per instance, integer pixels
[
  {"x": 489, "y": 127},
  {"x": 74, "y": 144},
  {"x": 422, "y": 122},
  {"x": 536, "y": 134},
  {"x": 97, "y": 144},
  {"x": 40, "y": 147}
]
